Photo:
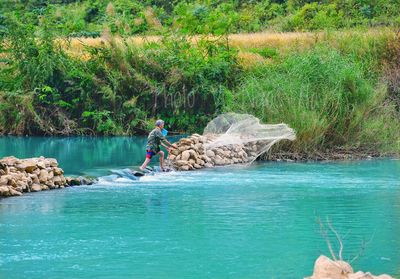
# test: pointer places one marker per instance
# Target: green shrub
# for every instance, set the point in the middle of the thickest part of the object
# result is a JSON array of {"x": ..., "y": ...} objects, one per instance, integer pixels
[
  {"x": 202, "y": 19},
  {"x": 316, "y": 16}
]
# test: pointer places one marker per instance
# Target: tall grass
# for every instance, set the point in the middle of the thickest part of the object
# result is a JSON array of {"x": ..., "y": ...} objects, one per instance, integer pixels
[{"x": 324, "y": 95}]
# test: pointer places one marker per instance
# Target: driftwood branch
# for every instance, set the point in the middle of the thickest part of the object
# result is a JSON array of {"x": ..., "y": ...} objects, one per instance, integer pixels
[
  {"x": 325, "y": 235},
  {"x": 339, "y": 239}
]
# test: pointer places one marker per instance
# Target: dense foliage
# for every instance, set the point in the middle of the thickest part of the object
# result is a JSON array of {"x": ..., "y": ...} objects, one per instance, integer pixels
[
  {"x": 127, "y": 17},
  {"x": 118, "y": 90}
]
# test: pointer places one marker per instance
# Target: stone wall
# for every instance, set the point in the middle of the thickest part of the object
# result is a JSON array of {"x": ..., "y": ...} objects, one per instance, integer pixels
[
  {"x": 18, "y": 176},
  {"x": 193, "y": 153}
]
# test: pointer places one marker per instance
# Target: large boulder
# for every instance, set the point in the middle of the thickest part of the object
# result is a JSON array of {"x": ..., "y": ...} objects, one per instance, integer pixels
[{"x": 325, "y": 268}]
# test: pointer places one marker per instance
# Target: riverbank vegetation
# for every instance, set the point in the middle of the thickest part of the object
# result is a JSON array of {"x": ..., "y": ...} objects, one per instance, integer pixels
[
  {"x": 77, "y": 18},
  {"x": 337, "y": 85}
]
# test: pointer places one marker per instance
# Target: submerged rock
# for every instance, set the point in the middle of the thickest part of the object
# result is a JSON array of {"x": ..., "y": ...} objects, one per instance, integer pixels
[{"x": 75, "y": 181}]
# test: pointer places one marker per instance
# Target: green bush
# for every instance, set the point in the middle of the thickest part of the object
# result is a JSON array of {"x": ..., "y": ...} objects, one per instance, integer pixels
[
  {"x": 203, "y": 19},
  {"x": 315, "y": 16}
]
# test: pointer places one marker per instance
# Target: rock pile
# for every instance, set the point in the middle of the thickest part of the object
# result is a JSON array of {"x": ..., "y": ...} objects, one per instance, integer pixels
[
  {"x": 193, "y": 153},
  {"x": 32, "y": 175},
  {"x": 326, "y": 268}
]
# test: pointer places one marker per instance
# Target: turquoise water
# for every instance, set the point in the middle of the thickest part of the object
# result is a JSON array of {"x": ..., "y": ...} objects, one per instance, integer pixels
[{"x": 232, "y": 222}]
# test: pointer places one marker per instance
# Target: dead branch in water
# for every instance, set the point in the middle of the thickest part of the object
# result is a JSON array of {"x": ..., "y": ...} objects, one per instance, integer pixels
[
  {"x": 325, "y": 235},
  {"x": 364, "y": 245}
]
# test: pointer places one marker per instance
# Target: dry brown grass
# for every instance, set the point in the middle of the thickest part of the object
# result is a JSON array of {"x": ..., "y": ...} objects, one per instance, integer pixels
[
  {"x": 252, "y": 40},
  {"x": 76, "y": 46},
  {"x": 244, "y": 42},
  {"x": 249, "y": 59},
  {"x": 276, "y": 40}
]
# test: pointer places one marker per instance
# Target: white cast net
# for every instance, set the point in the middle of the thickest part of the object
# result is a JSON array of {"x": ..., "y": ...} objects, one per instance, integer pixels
[{"x": 245, "y": 131}]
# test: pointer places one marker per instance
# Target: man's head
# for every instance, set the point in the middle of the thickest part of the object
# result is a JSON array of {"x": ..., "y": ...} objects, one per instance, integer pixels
[{"x": 160, "y": 124}]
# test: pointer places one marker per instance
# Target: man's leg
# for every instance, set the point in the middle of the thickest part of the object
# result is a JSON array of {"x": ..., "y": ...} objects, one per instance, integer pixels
[
  {"x": 143, "y": 167},
  {"x": 149, "y": 154},
  {"x": 161, "y": 153}
]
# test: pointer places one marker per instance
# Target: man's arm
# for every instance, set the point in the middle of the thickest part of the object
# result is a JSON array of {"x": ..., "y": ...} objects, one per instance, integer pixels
[
  {"x": 168, "y": 144},
  {"x": 166, "y": 147}
]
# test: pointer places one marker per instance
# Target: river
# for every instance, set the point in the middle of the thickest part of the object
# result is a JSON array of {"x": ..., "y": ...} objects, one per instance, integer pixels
[{"x": 229, "y": 222}]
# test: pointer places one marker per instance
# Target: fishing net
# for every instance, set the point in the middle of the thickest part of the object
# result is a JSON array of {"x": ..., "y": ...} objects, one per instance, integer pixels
[{"x": 244, "y": 131}]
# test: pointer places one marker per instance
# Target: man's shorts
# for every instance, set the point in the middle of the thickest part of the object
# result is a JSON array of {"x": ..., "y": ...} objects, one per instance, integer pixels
[{"x": 150, "y": 153}]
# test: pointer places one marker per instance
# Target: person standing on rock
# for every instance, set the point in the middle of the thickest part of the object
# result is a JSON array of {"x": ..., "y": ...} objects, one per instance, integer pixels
[{"x": 154, "y": 140}]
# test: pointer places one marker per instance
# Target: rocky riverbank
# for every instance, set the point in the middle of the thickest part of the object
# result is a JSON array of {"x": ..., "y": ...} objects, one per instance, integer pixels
[
  {"x": 325, "y": 268},
  {"x": 18, "y": 176},
  {"x": 200, "y": 151}
]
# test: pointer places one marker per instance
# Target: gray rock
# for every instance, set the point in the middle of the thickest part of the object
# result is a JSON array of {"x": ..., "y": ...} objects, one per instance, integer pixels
[
  {"x": 58, "y": 171},
  {"x": 4, "y": 179},
  {"x": 57, "y": 180},
  {"x": 171, "y": 157},
  {"x": 10, "y": 161},
  {"x": 210, "y": 153},
  {"x": 53, "y": 162},
  {"x": 4, "y": 191},
  {"x": 43, "y": 176},
  {"x": 185, "y": 155},
  {"x": 197, "y": 166},
  {"x": 27, "y": 165},
  {"x": 181, "y": 163},
  {"x": 36, "y": 188},
  {"x": 41, "y": 165},
  {"x": 184, "y": 168}
]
